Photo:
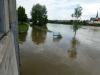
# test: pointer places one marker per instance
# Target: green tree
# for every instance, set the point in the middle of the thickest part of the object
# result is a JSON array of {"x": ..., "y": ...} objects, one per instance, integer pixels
[
  {"x": 77, "y": 14},
  {"x": 39, "y": 15},
  {"x": 22, "y": 17}
]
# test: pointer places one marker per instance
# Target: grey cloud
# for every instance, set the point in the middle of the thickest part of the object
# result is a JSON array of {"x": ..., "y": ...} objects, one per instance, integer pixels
[{"x": 62, "y": 9}]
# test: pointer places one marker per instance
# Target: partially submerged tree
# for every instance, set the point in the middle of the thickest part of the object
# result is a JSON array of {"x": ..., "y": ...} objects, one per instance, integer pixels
[
  {"x": 39, "y": 15},
  {"x": 77, "y": 14},
  {"x": 22, "y": 17}
]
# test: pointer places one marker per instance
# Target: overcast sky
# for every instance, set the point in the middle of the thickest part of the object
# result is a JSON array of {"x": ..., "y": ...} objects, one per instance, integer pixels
[{"x": 62, "y": 9}]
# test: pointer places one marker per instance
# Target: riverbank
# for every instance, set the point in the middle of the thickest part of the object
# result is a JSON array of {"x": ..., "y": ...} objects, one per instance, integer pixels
[{"x": 70, "y": 22}]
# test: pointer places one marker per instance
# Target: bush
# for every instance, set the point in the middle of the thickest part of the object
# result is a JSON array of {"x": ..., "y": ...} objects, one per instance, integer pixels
[{"x": 23, "y": 27}]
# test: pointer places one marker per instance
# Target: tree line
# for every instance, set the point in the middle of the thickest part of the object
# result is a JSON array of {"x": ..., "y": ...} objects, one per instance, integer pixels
[{"x": 38, "y": 14}]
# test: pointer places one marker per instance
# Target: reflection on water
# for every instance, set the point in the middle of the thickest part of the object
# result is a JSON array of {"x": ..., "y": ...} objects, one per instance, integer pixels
[
  {"x": 72, "y": 52},
  {"x": 95, "y": 29},
  {"x": 38, "y": 36},
  {"x": 56, "y": 39},
  {"x": 42, "y": 54},
  {"x": 22, "y": 37}
]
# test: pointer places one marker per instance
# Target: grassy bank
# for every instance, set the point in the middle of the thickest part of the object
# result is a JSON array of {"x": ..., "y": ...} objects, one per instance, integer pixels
[{"x": 23, "y": 27}]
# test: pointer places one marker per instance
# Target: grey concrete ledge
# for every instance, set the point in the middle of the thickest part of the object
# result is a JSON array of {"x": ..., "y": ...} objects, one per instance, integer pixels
[
  {"x": 3, "y": 46},
  {"x": 1, "y": 34}
]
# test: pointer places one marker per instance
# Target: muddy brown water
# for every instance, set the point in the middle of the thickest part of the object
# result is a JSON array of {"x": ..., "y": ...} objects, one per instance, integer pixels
[{"x": 44, "y": 54}]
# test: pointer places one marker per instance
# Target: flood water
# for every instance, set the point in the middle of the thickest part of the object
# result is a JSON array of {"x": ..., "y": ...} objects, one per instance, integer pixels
[{"x": 44, "y": 54}]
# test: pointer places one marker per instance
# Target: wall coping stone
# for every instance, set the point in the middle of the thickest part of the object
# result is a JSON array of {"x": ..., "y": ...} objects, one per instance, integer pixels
[{"x": 3, "y": 46}]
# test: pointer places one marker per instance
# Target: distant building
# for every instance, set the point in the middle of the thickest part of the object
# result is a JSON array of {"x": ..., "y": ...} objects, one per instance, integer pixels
[{"x": 96, "y": 19}]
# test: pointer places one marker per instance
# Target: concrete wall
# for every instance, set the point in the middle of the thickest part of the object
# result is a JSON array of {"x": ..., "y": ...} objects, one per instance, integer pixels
[
  {"x": 9, "y": 51},
  {"x": 8, "y": 63},
  {"x": 14, "y": 26},
  {"x": 4, "y": 16}
]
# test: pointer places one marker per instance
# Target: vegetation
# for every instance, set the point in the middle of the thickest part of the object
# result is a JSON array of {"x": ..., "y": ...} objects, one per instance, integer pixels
[
  {"x": 39, "y": 15},
  {"x": 23, "y": 27},
  {"x": 22, "y": 17},
  {"x": 22, "y": 20},
  {"x": 77, "y": 14},
  {"x": 84, "y": 22}
]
